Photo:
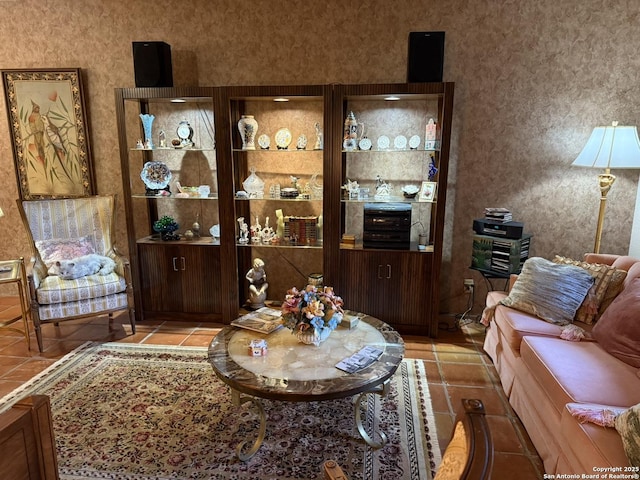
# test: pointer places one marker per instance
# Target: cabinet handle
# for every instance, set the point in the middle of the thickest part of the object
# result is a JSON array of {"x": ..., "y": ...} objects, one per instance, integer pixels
[
  {"x": 184, "y": 264},
  {"x": 388, "y": 271},
  {"x": 173, "y": 261},
  {"x": 379, "y": 275}
]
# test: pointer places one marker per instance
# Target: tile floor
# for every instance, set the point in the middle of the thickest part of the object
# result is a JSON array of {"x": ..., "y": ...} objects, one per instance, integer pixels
[{"x": 455, "y": 364}]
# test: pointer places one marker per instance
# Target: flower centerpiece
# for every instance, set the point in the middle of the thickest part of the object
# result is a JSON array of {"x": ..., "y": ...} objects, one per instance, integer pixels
[{"x": 312, "y": 314}]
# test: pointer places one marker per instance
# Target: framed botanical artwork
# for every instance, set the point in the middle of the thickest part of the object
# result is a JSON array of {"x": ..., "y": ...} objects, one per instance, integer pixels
[
  {"x": 428, "y": 192},
  {"x": 49, "y": 133}
]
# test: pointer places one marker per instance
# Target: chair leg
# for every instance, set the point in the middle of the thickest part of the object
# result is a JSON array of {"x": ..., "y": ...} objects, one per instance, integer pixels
[
  {"x": 132, "y": 320},
  {"x": 39, "y": 337},
  {"x": 110, "y": 320}
]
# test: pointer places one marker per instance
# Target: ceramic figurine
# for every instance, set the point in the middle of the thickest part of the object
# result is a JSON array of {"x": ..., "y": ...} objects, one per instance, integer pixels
[
  {"x": 383, "y": 189},
  {"x": 162, "y": 139},
  {"x": 319, "y": 140},
  {"x": 244, "y": 231},
  {"x": 279, "y": 224},
  {"x": 258, "y": 285}
]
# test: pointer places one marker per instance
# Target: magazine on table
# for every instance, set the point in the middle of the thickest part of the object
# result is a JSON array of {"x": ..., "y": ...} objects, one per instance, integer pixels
[{"x": 264, "y": 320}]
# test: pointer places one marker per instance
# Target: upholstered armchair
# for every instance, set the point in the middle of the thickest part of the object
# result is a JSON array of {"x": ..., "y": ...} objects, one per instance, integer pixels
[{"x": 62, "y": 229}]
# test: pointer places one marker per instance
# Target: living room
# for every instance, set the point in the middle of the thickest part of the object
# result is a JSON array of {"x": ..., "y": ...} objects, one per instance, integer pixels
[{"x": 531, "y": 81}]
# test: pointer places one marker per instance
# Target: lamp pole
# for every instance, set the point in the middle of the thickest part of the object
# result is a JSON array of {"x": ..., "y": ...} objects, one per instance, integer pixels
[{"x": 605, "y": 180}]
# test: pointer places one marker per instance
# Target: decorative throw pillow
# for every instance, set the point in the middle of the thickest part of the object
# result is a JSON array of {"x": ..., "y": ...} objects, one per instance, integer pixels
[
  {"x": 608, "y": 282},
  {"x": 550, "y": 291},
  {"x": 628, "y": 426},
  {"x": 54, "y": 250},
  {"x": 618, "y": 330}
]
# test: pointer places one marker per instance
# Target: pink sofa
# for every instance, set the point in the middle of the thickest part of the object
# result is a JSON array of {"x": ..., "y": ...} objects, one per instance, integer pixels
[{"x": 542, "y": 375}]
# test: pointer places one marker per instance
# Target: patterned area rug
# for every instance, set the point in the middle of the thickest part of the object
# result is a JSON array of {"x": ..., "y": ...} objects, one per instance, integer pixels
[{"x": 147, "y": 412}]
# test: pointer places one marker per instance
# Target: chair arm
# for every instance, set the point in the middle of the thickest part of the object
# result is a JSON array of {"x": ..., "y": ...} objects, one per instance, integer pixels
[
  {"x": 469, "y": 455},
  {"x": 123, "y": 266}
]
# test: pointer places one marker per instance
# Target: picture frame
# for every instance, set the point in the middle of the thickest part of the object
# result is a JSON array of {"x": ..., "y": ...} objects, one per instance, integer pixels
[
  {"x": 428, "y": 191},
  {"x": 49, "y": 133}
]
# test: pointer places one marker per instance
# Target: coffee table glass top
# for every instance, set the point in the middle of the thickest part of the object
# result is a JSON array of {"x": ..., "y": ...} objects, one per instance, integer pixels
[{"x": 297, "y": 372}]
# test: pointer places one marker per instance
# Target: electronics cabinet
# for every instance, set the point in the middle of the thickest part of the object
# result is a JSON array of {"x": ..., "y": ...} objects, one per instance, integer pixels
[
  {"x": 306, "y": 175},
  {"x": 172, "y": 279},
  {"x": 391, "y": 140}
]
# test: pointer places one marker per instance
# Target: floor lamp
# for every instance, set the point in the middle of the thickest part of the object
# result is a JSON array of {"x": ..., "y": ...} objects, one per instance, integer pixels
[{"x": 609, "y": 148}]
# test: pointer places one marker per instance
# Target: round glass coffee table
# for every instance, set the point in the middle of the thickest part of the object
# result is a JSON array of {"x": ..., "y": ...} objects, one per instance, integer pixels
[{"x": 295, "y": 372}]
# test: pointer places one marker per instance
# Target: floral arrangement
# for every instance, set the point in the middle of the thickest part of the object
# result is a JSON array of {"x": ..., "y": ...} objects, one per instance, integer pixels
[
  {"x": 166, "y": 226},
  {"x": 320, "y": 309}
]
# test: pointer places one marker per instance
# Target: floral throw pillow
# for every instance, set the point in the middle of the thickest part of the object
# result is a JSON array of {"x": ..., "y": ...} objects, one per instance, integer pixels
[
  {"x": 607, "y": 284},
  {"x": 54, "y": 250}
]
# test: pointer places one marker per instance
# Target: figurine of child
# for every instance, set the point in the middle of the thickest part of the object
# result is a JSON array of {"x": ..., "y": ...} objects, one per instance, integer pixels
[{"x": 258, "y": 285}]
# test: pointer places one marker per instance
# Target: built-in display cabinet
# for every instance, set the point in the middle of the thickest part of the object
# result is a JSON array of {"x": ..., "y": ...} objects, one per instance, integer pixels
[{"x": 339, "y": 181}]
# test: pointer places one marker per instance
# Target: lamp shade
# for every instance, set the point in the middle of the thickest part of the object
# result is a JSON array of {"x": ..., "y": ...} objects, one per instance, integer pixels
[{"x": 611, "y": 147}]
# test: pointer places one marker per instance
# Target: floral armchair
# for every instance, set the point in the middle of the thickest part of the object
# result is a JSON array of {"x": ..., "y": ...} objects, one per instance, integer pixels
[{"x": 62, "y": 229}]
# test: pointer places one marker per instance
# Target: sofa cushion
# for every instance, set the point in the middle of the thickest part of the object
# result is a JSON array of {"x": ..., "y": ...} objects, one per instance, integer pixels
[
  {"x": 618, "y": 330},
  {"x": 628, "y": 426},
  {"x": 579, "y": 372},
  {"x": 54, "y": 289},
  {"x": 589, "y": 445},
  {"x": 549, "y": 291},
  {"x": 607, "y": 284}
]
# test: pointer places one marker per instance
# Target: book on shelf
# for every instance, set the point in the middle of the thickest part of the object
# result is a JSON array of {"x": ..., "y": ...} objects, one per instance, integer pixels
[{"x": 264, "y": 320}]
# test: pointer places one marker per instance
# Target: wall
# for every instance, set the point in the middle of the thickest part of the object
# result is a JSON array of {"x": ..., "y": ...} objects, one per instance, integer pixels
[{"x": 532, "y": 80}]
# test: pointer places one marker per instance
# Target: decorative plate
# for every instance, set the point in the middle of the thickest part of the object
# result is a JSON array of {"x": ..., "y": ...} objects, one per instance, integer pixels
[
  {"x": 383, "y": 142},
  {"x": 365, "y": 144},
  {"x": 400, "y": 142},
  {"x": 264, "y": 141},
  {"x": 414, "y": 142},
  {"x": 302, "y": 142},
  {"x": 283, "y": 138},
  {"x": 155, "y": 175}
]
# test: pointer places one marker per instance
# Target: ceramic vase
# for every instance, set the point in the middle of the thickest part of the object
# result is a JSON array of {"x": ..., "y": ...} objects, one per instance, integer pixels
[
  {"x": 147, "y": 122},
  {"x": 248, "y": 127},
  {"x": 313, "y": 336}
]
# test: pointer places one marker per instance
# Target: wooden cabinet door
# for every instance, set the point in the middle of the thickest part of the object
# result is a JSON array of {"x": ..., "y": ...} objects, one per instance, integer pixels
[
  {"x": 390, "y": 285},
  {"x": 180, "y": 279},
  {"x": 161, "y": 279},
  {"x": 200, "y": 279}
]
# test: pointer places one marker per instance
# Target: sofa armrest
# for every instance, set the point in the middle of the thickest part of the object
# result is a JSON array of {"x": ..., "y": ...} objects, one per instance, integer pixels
[{"x": 604, "y": 258}]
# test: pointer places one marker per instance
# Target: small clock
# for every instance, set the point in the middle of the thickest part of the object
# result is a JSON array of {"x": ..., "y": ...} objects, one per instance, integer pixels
[{"x": 185, "y": 133}]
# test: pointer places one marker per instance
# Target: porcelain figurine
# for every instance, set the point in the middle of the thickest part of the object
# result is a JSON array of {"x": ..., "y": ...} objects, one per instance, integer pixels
[
  {"x": 319, "y": 138},
  {"x": 258, "y": 285}
]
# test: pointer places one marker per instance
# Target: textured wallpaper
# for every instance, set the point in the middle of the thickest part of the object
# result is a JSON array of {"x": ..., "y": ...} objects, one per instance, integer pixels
[{"x": 532, "y": 80}]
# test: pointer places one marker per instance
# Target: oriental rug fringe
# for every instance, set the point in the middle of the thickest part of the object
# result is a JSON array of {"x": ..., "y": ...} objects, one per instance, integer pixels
[{"x": 138, "y": 412}]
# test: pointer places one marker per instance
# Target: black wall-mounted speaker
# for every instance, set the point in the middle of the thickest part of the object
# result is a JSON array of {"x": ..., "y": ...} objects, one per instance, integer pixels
[
  {"x": 425, "y": 61},
  {"x": 152, "y": 64}
]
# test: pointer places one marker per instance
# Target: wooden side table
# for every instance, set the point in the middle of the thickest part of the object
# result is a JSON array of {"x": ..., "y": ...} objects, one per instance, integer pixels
[{"x": 13, "y": 271}]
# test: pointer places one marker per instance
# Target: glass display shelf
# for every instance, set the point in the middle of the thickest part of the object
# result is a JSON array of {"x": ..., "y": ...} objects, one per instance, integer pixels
[
  {"x": 268, "y": 199},
  {"x": 393, "y": 150},
  {"x": 413, "y": 248},
  {"x": 317, "y": 245},
  {"x": 388, "y": 200},
  {"x": 172, "y": 197},
  {"x": 172, "y": 149}
]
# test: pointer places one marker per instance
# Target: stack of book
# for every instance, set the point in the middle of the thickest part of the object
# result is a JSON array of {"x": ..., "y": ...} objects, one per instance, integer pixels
[{"x": 498, "y": 214}]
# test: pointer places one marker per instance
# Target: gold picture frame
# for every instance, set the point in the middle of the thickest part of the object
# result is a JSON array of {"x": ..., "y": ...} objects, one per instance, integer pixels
[
  {"x": 49, "y": 133},
  {"x": 428, "y": 192}
]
